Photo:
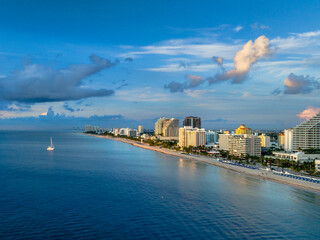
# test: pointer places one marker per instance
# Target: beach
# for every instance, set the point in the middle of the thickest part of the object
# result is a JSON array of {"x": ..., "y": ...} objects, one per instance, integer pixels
[{"x": 315, "y": 187}]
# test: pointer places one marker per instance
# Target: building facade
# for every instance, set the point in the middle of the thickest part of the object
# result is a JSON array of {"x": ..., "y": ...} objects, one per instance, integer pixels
[
  {"x": 211, "y": 137},
  {"x": 140, "y": 129},
  {"x": 191, "y": 121},
  {"x": 288, "y": 139},
  {"x": 307, "y": 134},
  {"x": 296, "y": 156},
  {"x": 170, "y": 128},
  {"x": 240, "y": 145},
  {"x": 281, "y": 140},
  {"x": 317, "y": 165},
  {"x": 243, "y": 129},
  {"x": 158, "y": 126},
  {"x": 265, "y": 140},
  {"x": 194, "y": 137}
]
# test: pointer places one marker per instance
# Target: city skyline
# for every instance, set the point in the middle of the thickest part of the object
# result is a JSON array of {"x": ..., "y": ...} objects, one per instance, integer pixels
[{"x": 228, "y": 63}]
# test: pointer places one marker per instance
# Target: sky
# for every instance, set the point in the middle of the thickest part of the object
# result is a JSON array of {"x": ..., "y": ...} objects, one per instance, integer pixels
[{"x": 125, "y": 63}]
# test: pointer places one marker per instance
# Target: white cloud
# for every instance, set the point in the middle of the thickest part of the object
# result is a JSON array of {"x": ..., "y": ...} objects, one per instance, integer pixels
[{"x": 238, "y": 28}]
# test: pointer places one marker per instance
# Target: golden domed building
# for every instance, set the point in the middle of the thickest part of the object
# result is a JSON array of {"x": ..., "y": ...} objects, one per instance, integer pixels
[{"x": 243, "y": 129}]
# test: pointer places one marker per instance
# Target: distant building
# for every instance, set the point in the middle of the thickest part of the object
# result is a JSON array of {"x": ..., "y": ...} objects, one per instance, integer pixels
[
  {"x": 170, "y": 128},
  {"x": 241, "y": 145},
  {"x": 194, "y": 122},
  {"x": 94, "y": 129},
  {"x": 243, "y": 129},
  {"x": 265, "y": 140},
  {"x": 307, "y": 134},
  {"x": 89, "y": 128},
  {"x": 224, "y": 141},
  {"x": 288, "y": 139},
  {"x": 194, "y": 137},
  {"x": 211, "y": 137},
  {"x": 281, "y": 140},
  {"x": 159, "y": 126},
  {"x": 140, "y": 129},
  {"x": 317, "y": 165},
  {"x": 296, "y": 156}
]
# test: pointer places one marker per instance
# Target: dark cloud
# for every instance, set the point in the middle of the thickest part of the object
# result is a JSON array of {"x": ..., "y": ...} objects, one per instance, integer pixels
[
  {"x": 295, "y": 84},
  {"x": 121, "y": 86},
  {"x": 67, "y": 107},
  {"x": 128, "y": 59},
  {"x": 51, "y": 120},
  {"x": 276, "y": 92},
  {"x": 185, "y": 65},
  {"x": 191, "y": 82},
  {"x": 14, "y": 107},
  {"x": 37, "y": 83},
  {"x": 174, "y": 87}
]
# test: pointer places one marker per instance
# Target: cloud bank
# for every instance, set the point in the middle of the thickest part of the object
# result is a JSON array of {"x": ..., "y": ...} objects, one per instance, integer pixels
[
  {"x": 295, "y": 84},
  {"x": 37, "y": 83},
  {"x": 191, "y": 82},
  {"x": 250, "y": 53},
  {"x": 309, "y": 112}
]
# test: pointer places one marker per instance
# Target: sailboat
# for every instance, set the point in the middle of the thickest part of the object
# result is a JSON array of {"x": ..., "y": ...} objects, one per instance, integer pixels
[{"x": 51, "y": 147}]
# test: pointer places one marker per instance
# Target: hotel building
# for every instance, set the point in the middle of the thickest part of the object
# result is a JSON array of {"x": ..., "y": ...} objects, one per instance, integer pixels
[
  {"x": 194, "y": 137},
  {"x": 159, "y": 126},
  {"x": 170, "y": 128},
  {"x": 241, "y": 145}
]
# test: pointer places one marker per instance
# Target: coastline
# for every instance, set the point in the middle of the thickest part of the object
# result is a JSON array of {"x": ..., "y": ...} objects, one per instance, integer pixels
[{"x": 314, "y": 187}]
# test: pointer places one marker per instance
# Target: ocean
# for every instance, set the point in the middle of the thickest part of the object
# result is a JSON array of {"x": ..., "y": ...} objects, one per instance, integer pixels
[{"x": 93, "y": 188}]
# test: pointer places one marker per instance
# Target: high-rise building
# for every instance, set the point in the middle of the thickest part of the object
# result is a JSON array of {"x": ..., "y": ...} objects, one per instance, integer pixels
[
  {"x": 307, "y": 134},
  {"x": 224, "y": 141},
  {"x": 288, "y": 138},
  {"x": 243, "y": 129},
  {"x": 159, "y": 126},
  {"x": 241, "y": 145},
  {"x": 170, "y": 128},
  {"x": 189, "y": 136},
  {"x": 190, "y": 121},
  {"x": 140, "y": 129},
  {"x": 265, "y": 140},
  {"x": 281, "y": 140},
  {"x": 211, "y": 137}
]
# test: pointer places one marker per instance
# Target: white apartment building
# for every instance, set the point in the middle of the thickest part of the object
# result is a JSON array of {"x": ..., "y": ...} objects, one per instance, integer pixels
[
  {"x": 158, "y": 126},
  {"x": 288, "y": 139},
  {"x": 170, "y": 128},
  {"x": 296, "y": 156},
  {"x": 307, "y": 134},
  {"x": 317, "y": 165},
  {"x": 194, "y": 137},
  {"x": 240, "y": 145}
]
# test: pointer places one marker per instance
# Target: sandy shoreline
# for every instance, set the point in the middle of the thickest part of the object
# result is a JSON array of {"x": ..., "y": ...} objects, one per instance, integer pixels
[{"x": 315, "y": 187}]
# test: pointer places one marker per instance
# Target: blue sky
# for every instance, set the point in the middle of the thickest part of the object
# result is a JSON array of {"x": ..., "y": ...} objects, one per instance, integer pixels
[{"x": 140, "y": 60}]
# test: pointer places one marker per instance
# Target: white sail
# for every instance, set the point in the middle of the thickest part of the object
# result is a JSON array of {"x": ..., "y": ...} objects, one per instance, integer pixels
[{"x": 51, "y": 147}]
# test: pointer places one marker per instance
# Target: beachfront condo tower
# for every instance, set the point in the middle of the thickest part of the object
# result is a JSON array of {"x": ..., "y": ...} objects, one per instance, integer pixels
[
  {"x": 170, "y": 128},
  {"x": 307, "y": 134},
  {"x": 190, "y": 121},
  {"x": 189, "y": 136},
  {"x": 159, "y": 126}
]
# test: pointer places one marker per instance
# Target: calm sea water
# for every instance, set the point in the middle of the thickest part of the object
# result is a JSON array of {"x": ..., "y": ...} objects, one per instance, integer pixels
[{"x": 92, "y": 188}]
